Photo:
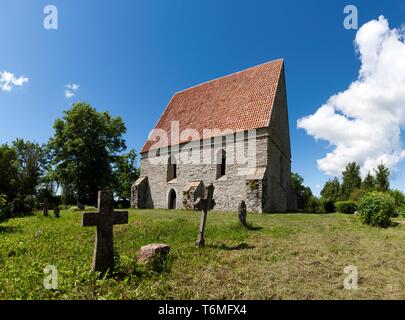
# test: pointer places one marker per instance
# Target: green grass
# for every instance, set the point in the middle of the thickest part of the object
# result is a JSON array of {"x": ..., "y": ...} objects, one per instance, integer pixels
[{"x": 292, "y": 256}]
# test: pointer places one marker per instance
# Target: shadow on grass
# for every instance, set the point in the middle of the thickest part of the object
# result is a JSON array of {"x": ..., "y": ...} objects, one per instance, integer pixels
[
  {"x": 222, "y": 246},
  {"x": 395, "y": 224},
  {"x": 9, "y": 229},
  {"x": 251, "y": 227}
]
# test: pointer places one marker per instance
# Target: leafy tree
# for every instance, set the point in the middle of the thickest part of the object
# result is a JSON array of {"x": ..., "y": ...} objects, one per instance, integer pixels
[
  {"x": 351, "y": 180},
  {"x": 125, "y": 173},
  {"x": 382, "y": 178},
  {"x": 304, "y": 194},
  {"x": 8, "y": 171},
  {"x": 31, "y": 166},
  {"x": 331, "y": 190},
  {"x": 3, "y": 204},
  {"x": 368, "y": 182},
  {"x": 357, "y": 194},
  {"x": 399, "y": 198},
  {"x": 84, "y": 150}
]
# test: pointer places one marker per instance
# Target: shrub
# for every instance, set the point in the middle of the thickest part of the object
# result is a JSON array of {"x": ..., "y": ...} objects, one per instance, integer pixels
[
  {"x": 357, "y": 194},
  {"x": 86, "y": 208},
  {"x": 328, "y": 206},
  {"x": 313, "y": 205},
  {"x": 348, "y": 207},
  {"x": 376, "y": 209},
  {"x": 399, "y": 198},
  {"x": 22, "y": 205},
  {"x": 3, "y": 204}
]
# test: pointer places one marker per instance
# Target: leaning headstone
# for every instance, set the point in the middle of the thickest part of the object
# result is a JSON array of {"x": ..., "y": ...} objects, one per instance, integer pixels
[
  {"x": 46, "y": 207},
  {"x": 56, "y": 212},
  {"x": 154, "y": 256},
  {"x": 205, "y": 205},
  {"x": 104, "y": 220},
  {"x": 242, "y": 213}
]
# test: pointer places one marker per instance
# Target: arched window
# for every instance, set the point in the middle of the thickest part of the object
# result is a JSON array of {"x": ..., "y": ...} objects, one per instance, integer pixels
[
  {"x": 221, "y": 163},
  {"x": 171, "y": 168}
]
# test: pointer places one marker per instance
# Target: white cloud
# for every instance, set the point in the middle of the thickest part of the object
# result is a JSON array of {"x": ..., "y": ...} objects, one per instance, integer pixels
[
  {"x": 364, "y": 123},
  {"x": 71, "y": 89},
  {"x": 8, "y": 81}
]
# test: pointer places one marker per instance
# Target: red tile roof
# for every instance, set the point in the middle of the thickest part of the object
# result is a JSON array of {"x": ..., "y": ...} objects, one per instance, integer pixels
[{"x": 240, "y": 101}]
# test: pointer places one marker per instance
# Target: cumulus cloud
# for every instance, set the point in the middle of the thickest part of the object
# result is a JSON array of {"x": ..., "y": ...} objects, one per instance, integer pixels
[
  {"x": 364, "y": 122},
  {"x": 8, "y": 81},
  {"x": 70, "y": 90}
]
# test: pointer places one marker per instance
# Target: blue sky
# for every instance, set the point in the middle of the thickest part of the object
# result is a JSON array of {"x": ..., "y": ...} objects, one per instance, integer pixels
[{"x": 129, "y": 57}]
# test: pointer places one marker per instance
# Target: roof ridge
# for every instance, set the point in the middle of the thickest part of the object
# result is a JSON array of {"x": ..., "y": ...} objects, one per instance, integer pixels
[{"x": 229, "y": 75}]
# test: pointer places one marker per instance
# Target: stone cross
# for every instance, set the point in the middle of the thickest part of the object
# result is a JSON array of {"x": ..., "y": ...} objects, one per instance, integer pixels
[
  {"x": 46, "y": 207},
  {"x": 56, "y": 212},
  {"x": 104, "y": 220},
  {"x": 205, "y": 205},
  {"x": 242, "y": 213}
]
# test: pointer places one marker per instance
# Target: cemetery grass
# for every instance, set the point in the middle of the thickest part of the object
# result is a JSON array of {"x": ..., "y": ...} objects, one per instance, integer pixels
[{"x": 292, "y": 256}]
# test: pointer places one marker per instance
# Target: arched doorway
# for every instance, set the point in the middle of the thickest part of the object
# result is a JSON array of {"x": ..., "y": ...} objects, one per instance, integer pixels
[{"x": 172, "y": 199}]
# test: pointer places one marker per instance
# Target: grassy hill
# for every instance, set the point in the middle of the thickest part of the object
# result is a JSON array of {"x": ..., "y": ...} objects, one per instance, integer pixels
[{"x": 293, "y": 256}]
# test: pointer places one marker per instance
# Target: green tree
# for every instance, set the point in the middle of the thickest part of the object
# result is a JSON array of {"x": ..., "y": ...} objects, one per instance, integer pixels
[
  {"x": 382, "y": 178},
  {"x": 304, "y": 194},
  {"x": 351, "y": 180},
  {"x": 32, "y": 161},
  {"x": 84, "y": 150},
  {"x": 331, "y": 190},
  {"x": 8, "y": 171},
  {"x": 399, "y": 198},
  {"x": 368, "y": 182},
  {"x": 125, "y": 173}
]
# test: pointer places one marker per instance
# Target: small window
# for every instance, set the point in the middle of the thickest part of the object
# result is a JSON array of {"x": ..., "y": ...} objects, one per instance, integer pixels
[
  {"x": 171, "y": 168},
  {"x": 221, "y": 163}
]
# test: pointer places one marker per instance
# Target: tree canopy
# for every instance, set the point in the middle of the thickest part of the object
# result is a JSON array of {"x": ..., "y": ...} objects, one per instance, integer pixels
[
  {"x": 351, "y": 179},
  {"x": 85, "y": 148}
]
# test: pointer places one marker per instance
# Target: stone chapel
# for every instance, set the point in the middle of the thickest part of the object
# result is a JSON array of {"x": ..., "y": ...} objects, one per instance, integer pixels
[{"x": 232, "y": 132}]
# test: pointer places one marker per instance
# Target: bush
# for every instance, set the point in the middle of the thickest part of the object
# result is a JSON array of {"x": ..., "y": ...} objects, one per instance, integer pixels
[
  {"x": 376, "y": 209},
  {"x": 23, "y": 205},
  {"x": 3, "y": 204},
  {"x": 86, "y": 208},
  {"x": 328, "y": 206},
  {"x": 399, "y": 198},
  {"x": 357, "y": 194},
  {"x": 313, "y": 205},
  {"x": 348, "y": 207}
]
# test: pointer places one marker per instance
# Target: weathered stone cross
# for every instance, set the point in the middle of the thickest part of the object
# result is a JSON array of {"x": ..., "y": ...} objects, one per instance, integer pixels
[
  {"x": 104, "y": 220},
  {"x": 205, "y": 205}
]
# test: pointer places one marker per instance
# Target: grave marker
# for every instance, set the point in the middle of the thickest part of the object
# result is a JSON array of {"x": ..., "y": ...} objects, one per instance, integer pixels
[
  {"x": 205, "y": 205},
  {"x": 56, "y": 212},
  {"x": 104, "y": 220},
  {"x": 242, "y": 213}
]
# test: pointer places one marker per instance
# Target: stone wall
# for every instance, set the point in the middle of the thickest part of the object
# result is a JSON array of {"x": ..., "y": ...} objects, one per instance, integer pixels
[
  {"x": 230, "y": 189},
  {"x": 279, "y": 159}
]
